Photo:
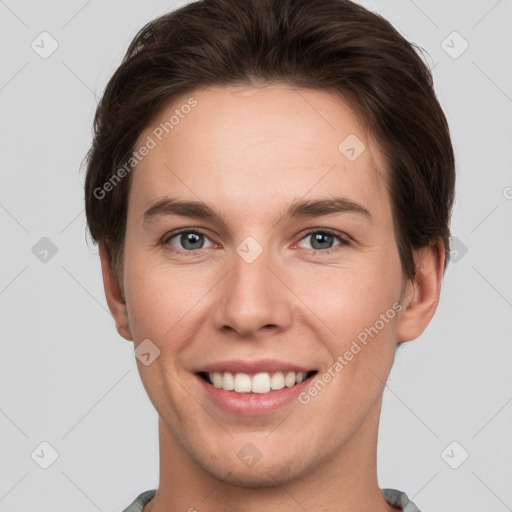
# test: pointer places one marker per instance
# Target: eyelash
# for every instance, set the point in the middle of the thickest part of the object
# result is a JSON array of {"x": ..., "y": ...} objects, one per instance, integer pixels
[{"x": 343, "y": 239}]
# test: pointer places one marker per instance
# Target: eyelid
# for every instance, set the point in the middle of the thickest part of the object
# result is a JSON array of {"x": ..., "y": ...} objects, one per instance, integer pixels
[
  {"x": 343, "y": 238},
  {"x": 168, "y": 236},
  {"x": 178, "y": 231}
]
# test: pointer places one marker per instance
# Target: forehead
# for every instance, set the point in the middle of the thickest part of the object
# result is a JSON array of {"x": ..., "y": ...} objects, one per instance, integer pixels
[{"x": 274, "y": 142}]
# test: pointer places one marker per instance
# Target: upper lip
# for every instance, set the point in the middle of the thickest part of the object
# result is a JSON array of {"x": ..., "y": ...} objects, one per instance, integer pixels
[{"x": 252, "y": 367}]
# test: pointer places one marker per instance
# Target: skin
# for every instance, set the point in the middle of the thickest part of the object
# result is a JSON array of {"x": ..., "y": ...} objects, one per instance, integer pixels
[{"x": 247, "y": 152}]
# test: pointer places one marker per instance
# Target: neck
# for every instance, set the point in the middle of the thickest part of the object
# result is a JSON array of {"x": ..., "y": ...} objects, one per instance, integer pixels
[{"x": 344, "y": 482}]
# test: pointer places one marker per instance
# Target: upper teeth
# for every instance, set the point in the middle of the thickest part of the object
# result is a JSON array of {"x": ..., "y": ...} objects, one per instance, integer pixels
[{"x": 259, "y": 383}]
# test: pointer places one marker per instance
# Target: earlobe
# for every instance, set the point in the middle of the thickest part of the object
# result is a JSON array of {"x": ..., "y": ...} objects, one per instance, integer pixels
[
  {"x": 422, "y": 292},
  {"x": 114, "y": 294}
]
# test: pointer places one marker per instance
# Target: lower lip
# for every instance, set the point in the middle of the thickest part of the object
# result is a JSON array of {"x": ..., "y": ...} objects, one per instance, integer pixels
[{"x": 253, "y": 404}]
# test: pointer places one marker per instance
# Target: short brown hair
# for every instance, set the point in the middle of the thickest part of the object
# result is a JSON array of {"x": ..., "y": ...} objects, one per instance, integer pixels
[{"x": 336, "y": 45}]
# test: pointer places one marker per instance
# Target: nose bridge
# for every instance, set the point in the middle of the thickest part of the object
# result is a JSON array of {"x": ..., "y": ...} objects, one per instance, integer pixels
[{"x": 252, "y": 296}]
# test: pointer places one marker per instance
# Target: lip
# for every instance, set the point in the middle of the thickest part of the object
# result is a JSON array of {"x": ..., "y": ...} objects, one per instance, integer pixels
[
  {"x": 252, "y": 404},
  {"x": 252, "y": 367}
]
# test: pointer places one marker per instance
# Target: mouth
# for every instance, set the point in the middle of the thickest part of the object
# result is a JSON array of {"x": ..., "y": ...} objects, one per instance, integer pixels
[
  {"x": 250, "y": 387},
  {"x": 256, "y": 383}
]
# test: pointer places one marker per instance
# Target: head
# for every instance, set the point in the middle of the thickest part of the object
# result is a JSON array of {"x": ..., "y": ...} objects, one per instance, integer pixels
[{"x": 319, "y": 162}]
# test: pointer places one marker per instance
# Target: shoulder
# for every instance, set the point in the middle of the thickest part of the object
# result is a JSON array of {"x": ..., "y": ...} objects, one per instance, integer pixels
[
  {"x": 392, "y": 496},
  {"x": 400, "y": 500},
  {"x": 138, "y": 504}
]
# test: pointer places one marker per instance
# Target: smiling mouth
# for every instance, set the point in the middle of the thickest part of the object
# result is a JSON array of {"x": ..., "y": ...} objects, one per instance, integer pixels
[{"x": 258, "y": 383}]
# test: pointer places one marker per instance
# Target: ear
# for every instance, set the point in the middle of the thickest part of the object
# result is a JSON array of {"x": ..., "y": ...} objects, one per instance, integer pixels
[
  {"x": 422, "y": 293},
  {"x": 114, "y": 294}
]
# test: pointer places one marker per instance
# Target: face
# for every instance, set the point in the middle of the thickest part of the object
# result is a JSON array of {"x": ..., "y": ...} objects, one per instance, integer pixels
[{"x": 287, "y": 277}]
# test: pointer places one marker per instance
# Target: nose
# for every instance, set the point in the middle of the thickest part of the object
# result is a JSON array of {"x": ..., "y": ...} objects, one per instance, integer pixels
[{"x": 254, "y": 298}]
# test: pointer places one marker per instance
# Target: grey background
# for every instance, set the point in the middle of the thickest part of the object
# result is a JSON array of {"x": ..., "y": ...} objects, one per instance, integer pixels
[{"x": 68, "y": 379}]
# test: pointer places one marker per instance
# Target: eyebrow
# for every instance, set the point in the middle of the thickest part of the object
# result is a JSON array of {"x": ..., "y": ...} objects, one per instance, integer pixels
[{"x": 298, "y": 209}]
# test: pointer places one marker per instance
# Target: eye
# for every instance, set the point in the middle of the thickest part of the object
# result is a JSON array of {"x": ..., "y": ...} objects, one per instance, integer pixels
[
  {"x": 191, "y": 240},
  {"x": 323, "y": 238}
]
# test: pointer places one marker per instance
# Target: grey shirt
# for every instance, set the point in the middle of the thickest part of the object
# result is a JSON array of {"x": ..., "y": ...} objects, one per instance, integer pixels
[{"x": 392, "y": 496}]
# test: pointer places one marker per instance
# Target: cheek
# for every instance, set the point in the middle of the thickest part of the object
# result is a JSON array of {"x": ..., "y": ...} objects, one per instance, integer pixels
[
  {"x": 368, "y": 302},
  {"x": 151, "y": 298},
  {"x": 367, "y": 327},
  {"x": 350, "y": 297},
  {"x": 163, "y": 300},
  {"x": 359, "y": 305}
]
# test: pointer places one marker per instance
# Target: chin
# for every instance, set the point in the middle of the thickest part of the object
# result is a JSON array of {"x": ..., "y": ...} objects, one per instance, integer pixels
[
  {"x": 266, "y": 476},
  {"x": 265, "y": 473}
]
